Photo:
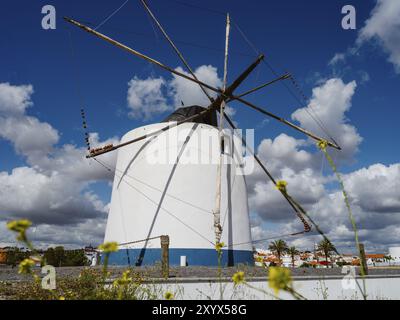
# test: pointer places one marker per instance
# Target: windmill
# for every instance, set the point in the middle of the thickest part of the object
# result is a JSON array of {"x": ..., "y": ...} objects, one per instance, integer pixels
[{"x": 174, "y": 186}]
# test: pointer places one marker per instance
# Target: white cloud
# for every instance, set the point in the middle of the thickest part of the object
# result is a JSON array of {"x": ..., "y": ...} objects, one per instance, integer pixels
[
  {"x": 14, "y": 99},
  {"x": 145, "y": 98},
  {"x": 53, "y": 199},
  {"x": 338, "y": 57},
  {"x": 150, "y": 97},
  {"x": 376, "y": 189},
  {"x": 330, "y": 102},
  {"x": 374, "y": 200},
  {"x": 54, "y": 188},
  {"x": 285, "y": 151},
  {"x": 373, "y": 191},
  {"x": 189, "y": 92},
  {"x": 305, "y": 186},
  {"x": 384, "y": 26}
]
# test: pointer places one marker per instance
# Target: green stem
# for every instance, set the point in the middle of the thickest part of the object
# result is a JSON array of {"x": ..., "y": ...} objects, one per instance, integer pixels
[{"x": 353, "y": 223}]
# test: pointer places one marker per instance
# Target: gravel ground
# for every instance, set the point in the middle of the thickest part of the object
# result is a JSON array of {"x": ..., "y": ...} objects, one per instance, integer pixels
[{"x": 11, "y": 274}]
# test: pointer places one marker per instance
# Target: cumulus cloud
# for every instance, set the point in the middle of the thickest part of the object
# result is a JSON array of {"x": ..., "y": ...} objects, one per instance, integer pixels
[
  {"x": 372, "y": 191},
  {"x": 54, "y": 188},
  {"x": 14, "y": 99},
  {"x": 145, "y": 98},
  {"x": 150, "y": 97},
  {"x": 376, "y": 189},
  {"x": 383, "y": 26},
  {"x": 330, "y": 102},
  {"x": 304, "y": 186},
  {"x": 189, "y": 92}
]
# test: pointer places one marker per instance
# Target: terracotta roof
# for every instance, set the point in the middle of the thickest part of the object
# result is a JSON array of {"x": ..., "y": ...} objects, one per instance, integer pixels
[{"x": 375, "y": 256}]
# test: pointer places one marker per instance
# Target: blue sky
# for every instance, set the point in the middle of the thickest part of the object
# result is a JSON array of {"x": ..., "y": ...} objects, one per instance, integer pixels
[{"x": 300, "y": 37}]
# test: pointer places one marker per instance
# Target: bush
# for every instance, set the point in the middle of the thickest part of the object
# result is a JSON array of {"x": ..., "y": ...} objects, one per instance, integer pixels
[
  {"x": 58, "y": 257},
  {"x": 15, "y": 256},
  {"x": 305, "y": 265}
]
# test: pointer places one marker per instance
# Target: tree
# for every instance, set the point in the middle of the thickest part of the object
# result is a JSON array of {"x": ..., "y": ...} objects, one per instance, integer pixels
[
  {"x": 326, "y": 247},
  {"x": 278, "y": 247},
  {"x": 58, "y": 257},
  {"x": 15, "y": 256},
  {"x": 59, "y": 254},
  {"x": 292, "y": 251},
  {"x": 50, "y": 257},
  {"x": 76, "y": 258},
  {"x": 388, "y": 258}
]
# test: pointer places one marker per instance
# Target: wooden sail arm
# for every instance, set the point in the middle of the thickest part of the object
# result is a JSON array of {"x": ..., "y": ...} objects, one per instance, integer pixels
[
  {"x": 295, "y": 206},
  {"x": 284, "y": 121},
  {"x": 99, "y": 151},
  {"x": 282, "y": 77},
  {"x": 138, "y": 54},
  {"x": 172, "y": 44},
  {"x": 223, "y": 95}
]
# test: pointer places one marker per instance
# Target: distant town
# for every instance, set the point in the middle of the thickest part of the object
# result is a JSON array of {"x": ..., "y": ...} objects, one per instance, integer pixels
[
  {"x": 324, "y": 255},
  {"x": 57, "y": 256},
  {"x": 277, "y": 254}
]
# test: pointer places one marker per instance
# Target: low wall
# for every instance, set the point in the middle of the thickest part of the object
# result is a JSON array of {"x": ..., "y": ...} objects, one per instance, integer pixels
[{"x": 313, "y": 288}]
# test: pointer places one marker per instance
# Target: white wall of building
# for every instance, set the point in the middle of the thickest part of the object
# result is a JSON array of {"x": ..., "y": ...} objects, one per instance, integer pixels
[{"x": 178, "y": 199}]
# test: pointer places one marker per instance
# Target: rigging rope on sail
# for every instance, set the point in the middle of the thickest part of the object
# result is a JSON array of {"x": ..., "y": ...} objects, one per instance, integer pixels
[
  {"x": 155, "y": 202},
  {"x": 314, "y": 117}
]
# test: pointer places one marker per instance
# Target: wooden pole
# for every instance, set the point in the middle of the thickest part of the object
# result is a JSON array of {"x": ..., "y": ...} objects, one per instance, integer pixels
[
  {"x": 217, "y": 211},
  {"x": 270, "y": 114},
  {"x": 138, "y": 54},
  {"x": 174, "y": 47},
  {"x": 154, "y": 133},
  {"x": 283, "y": 77},
  {"x": 228, "y": 94},
  {"x": 165, "y": 256},
  {"x": 217, "y": 102}
]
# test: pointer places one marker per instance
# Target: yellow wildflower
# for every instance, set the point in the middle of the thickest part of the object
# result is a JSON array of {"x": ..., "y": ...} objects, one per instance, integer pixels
[
  {"x": 279, "y": 278},
  {"x": 124, "y": 280},
  {"x": 322, "y": 144},
  {"x": 219, "y": 246},
  {"x": 169, "y": 295},
  {"x": 19, "y": 226},
  {"x": 61, "y": 298},
  {"x": 260, "y": 260},
  {"x": 109, "y": 247},
  {"x": 281, "y": 185},
  {"x": 26, "y": 265},
  {"x": 238, "y": 277}
]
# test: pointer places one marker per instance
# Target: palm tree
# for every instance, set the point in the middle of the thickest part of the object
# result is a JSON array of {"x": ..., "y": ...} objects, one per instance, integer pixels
[
  {"x": 326, "y": 247},
  {"x": 278, "y": 247},
  {"x": 292, "y": 251}
]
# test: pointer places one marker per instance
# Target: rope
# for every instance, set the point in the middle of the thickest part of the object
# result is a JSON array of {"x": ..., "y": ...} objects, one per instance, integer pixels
[
  {"x": 182, "y": 42},
  {"x": 138, "y": 241},
  {"x": 280, "y": 236},
  {"x": 79, "y": 93},
  {"x": 314, "y": 117},
  {"x": 281, "y": 185},
  {"x": 111, "y": 15},
  {"x": 159, "y": 190},
  {"x": 154, "y": 202}
]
